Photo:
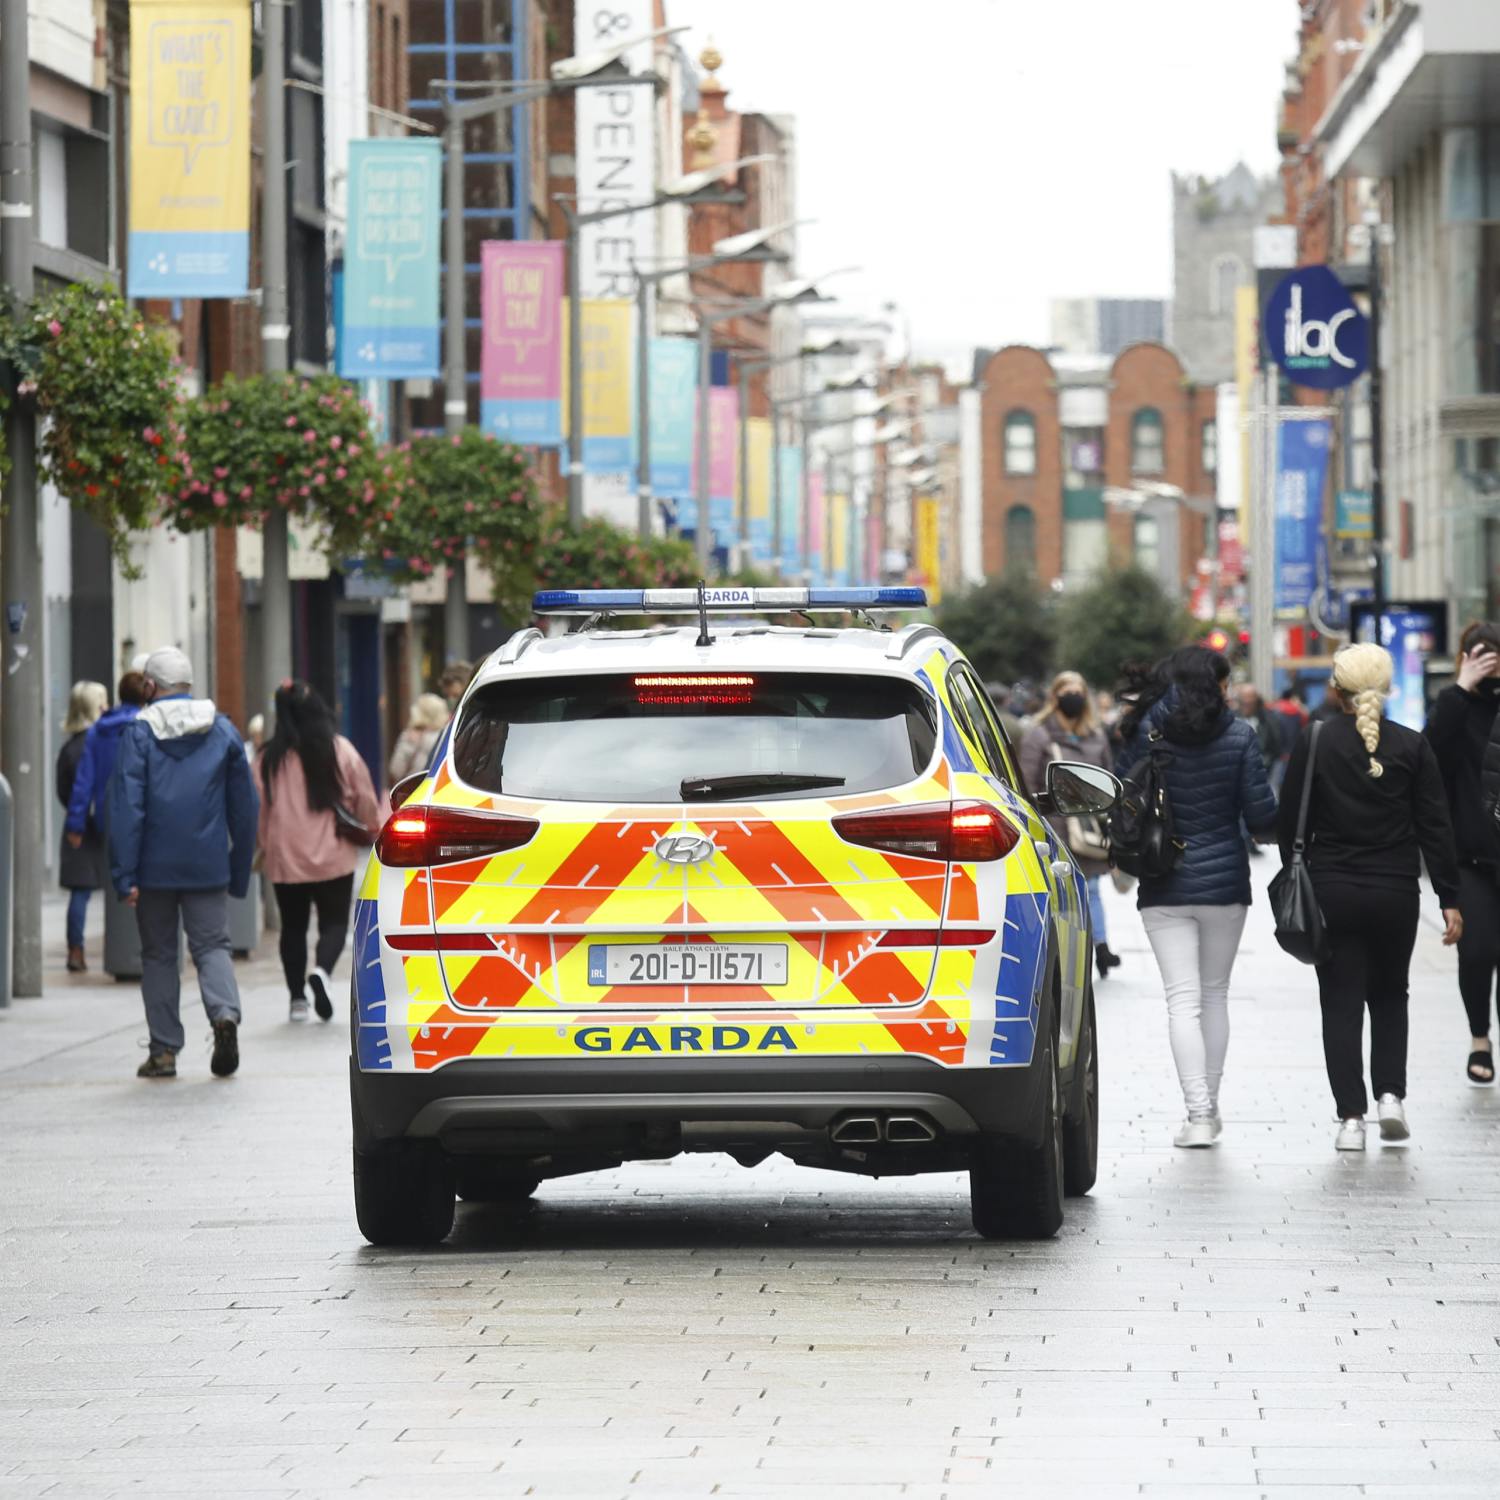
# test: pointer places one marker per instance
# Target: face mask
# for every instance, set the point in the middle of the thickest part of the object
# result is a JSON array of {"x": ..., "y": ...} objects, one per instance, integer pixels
[{"x": 1072, "y": 705}]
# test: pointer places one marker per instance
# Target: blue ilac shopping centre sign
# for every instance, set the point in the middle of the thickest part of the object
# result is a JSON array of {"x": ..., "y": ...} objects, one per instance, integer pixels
[{"x": 1315, "y": 332}]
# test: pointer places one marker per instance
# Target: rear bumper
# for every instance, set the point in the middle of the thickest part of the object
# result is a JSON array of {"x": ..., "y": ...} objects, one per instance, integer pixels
[{"x": 478, "y": 1104}]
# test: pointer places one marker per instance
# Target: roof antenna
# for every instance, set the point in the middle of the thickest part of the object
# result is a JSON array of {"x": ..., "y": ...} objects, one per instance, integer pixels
[{"x": 704, "y": 638}]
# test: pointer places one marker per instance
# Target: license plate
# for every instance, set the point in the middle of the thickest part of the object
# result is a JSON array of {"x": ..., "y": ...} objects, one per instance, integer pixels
[{"x": 687, "y": 963}]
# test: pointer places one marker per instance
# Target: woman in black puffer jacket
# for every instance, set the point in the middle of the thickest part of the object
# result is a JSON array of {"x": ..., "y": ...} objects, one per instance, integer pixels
[{"x": 1216, "y": 785}]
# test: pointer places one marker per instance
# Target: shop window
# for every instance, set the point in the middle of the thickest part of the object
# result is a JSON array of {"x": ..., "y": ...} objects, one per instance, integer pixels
[{"x": 1020, "y": 443}]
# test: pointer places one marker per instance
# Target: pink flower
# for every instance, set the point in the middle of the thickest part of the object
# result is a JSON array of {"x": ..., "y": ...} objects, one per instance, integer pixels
[
  {"x": 341, "y": 472},
  {"x": 290, "y": 422},
  {"x": 220, "y": 471},
  {"x": 457, "y": 439},
  {"x": 54, "y": 328},
  {"x": 335, "y": 442},
  {"x": 304, "y": 491},
  {"x": 246, "y": 492},
  {"x": 309, "y": 436},
  {"x": 220, "y": 499}
]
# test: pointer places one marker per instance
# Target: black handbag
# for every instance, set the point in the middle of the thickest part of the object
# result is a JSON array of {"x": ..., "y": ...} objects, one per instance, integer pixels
[
  {"x": 350, "y": 829},
  {"x": 1294, "y": 902}
]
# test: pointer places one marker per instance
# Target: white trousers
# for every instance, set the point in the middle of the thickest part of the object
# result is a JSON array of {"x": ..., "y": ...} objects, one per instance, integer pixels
[{"x": 1195, "y": 948}]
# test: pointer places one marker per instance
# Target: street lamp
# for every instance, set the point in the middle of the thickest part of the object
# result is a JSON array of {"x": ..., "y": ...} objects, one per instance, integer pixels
[
  {"x": 788, "y": 294},
  {"x": 753, "y": 247},
  {"x": 694, "y": 188}
]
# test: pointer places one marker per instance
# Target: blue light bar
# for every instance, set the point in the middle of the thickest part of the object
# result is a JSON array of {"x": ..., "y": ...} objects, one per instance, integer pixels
[{"x": 731, "y": 598}]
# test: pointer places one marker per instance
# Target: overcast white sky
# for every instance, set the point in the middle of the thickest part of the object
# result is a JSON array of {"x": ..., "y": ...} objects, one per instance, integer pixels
[{"x": 978, "y": 157}]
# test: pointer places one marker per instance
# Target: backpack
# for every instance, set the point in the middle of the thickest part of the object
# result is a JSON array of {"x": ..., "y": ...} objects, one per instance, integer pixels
[{"x": 1142, "y": 835}]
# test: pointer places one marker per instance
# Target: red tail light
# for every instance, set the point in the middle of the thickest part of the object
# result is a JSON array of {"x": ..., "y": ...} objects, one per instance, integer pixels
[
  {"x": 938, "y": 937},
  {"x": 444, "y": 835},
  {"x": 676, "y": 689},
  {"x": 960, "y": 832}
]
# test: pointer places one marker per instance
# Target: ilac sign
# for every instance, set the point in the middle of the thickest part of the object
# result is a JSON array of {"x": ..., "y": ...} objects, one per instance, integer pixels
[{"x": 1315, "y": 332}]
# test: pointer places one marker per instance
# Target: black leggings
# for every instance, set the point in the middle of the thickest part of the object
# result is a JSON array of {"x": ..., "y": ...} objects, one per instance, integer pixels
[
  {"x": 295, "y": 902},
  {"x": 1371, "y": 934},
  {"x": 1479, "y": 947}
]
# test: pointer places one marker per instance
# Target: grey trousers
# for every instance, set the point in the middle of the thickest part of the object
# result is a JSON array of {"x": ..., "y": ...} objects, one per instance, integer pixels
[{"x": 205, "y": 917}]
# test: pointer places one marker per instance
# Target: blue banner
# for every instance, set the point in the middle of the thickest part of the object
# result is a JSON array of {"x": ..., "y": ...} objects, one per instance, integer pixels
[
  {"x": 790, "y": 460},
  {"x": 1301, "y": 469},
  {"x": 391, "y": 262},
  {"x": 674, "y": 391}
]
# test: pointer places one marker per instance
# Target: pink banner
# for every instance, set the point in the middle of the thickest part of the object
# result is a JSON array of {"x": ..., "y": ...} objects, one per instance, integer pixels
[
  {"x": 520, "y": 369},
  {"x": 815, "y": 521},
  {"x": 874, "y": 546},
  {"x": 723, "y": 456}
]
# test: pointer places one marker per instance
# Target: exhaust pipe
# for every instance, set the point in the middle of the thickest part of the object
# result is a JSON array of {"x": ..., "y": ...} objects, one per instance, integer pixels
[
  {"x": 909, "y": 1130},
  {"x": 856, "y": 1130}
]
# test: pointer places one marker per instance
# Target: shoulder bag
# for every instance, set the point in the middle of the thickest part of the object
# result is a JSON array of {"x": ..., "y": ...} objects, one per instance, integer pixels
[
  {"x": 1142, "y": 832},
  {"x": 1294, "y": 902}
]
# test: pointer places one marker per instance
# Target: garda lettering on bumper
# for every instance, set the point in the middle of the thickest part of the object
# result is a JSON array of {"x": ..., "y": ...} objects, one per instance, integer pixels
[{"x": 639, "y": 1039}]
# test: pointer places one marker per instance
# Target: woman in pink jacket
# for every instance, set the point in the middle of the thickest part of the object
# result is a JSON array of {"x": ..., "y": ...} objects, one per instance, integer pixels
[{"x": 318, "y": 816}]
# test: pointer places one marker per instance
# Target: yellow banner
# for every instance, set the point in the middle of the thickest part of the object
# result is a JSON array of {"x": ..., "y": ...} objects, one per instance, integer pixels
[
  {"x": 838, "y": 537},
  {"x": 607, "y": 383},
  {"x": 929, "y": 558},
  {"x": 189, "y": 148},
  {"x": 758, "y": 483}
]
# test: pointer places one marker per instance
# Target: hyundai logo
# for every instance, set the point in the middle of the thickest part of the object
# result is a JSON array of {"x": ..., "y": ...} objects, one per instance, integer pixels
[{"x": 684, "y": 848}]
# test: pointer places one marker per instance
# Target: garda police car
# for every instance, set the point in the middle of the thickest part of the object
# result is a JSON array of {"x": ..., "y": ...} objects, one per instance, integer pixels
[{"x": 732, "y": 886}]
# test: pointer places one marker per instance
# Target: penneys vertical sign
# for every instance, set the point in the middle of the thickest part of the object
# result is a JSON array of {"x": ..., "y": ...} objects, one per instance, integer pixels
[
  {"x": 189, "y": 149},
  {"x": 616, "y": 149}
]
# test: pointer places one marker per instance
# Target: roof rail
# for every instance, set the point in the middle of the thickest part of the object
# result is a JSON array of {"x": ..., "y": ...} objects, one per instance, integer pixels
[
  {"x": 904, "y": 638},
  {"x": 513, "y": 648}
]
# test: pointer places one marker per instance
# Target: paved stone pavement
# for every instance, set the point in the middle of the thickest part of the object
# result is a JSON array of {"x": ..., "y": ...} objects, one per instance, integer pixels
[{"x": 186, "y": 1306}]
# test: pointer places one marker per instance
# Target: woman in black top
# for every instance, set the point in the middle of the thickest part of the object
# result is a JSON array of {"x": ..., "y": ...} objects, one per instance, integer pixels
[
  {"x": 1459, "y": 730},
  {"x": 1377, "y": 805}
]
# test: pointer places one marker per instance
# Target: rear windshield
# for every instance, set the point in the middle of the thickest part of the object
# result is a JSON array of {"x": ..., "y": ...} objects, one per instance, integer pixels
[{"x": 673, "y": 737}]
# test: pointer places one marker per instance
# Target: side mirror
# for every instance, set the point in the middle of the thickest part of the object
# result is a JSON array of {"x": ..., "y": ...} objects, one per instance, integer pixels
[
  {"x": 401, "y": 792},
  {"x": 1077, "y": 790}
]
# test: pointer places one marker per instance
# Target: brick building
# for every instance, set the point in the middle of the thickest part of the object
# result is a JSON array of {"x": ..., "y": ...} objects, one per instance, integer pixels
[{"x": 1087, "y": 461}]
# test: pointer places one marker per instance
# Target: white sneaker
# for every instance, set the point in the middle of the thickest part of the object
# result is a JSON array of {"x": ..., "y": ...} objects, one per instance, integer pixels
[
  {"x": 1393, "y": 1126},
  {"x": 297, "y": 1011},
  {"x": 1217, "y": 1121},
  {"x": 1351, "y": 1136},
  {"x": 1195, "y": 1133}
]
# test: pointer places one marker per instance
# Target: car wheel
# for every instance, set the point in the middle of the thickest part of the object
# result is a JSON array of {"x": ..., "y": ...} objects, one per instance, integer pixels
[
  {"x": 1016, "y": 1192},
  {"x": 403, "y": 1194},
  {"x": 1081, "y": 1127},
  {"x": 495, "y": 1185}
]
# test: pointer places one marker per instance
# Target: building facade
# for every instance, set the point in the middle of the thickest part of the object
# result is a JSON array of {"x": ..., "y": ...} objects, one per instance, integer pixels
[
  {"x": 1106, "y": 325},
  {"x": 1086, "y": 461}
]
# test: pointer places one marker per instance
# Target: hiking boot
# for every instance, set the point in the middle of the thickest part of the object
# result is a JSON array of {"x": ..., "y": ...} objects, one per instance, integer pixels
[
  {"x": 158, "y": 1065},
  {"x": 318, "y": 982},
  {"x": 226, "y": 1056}
]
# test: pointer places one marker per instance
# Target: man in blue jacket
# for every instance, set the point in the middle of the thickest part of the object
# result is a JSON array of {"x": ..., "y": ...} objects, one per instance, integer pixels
[
  {"x": 90, "y": 800},
  {"x": 182, "y": 818}
]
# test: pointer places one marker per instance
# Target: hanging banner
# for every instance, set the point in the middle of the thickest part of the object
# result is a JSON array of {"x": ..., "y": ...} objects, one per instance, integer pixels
[
  {"x": 929, "y": 548},
  {"x": 790, "y": 460},
  {"x": 189, "y": 149},
  {"x": 838, "y": 539},
  {"x": 723, "y": 462},
  {"x": 674, "y": 410},
  {"x": 1315, "y": 332},
  {"x": 607, "y": 385},
  {"x": 1301, "y": 469},
  {"x": 758, "y": 440},
  {"x": 521, "y": 345},
  {"x": 874, "y": 545},
  {"x": 389, "y": 324},
  {"x": 615, "y": 148}
]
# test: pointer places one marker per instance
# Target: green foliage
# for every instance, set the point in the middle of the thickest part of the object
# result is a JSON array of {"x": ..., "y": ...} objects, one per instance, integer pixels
[
  {"x": 1123, "y": 616},
  {"x": 466, "y": 493},
  {"x": 105, "y": 381},
  {"x": 286, "y": 442},
  {"x": 1004, "y": 626}
]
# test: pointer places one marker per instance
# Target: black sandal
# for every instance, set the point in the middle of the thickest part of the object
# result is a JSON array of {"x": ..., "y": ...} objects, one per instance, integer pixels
[{"x": 1481, "y": 1060}]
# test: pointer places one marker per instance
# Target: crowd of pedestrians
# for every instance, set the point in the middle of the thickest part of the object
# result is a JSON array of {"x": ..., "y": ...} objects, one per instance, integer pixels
[
  {"x": 172, "y": 811},
  {"x": 1383, "y": 803}
]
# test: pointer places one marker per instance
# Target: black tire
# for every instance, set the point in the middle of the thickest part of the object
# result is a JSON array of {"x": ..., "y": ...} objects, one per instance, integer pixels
[
  {"x": 1016, "y": 1191},
  {"x": 1081, "y": 1127},
  {"x": 403, "y": 1194},
  {"x": 480, "y": 1184}
]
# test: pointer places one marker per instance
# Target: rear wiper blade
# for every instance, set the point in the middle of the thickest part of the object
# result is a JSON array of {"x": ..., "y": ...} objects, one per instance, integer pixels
[{"x": 706, "y": 788}]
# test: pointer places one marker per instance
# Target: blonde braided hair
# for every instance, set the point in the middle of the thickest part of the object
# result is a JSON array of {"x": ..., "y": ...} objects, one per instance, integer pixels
[{"x": 1362, "y": 674}]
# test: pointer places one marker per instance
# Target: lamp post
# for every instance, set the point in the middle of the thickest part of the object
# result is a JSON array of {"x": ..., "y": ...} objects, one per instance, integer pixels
[
  {"x": 570, "y": 73},
  {"x": 751, "y": 248}
]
